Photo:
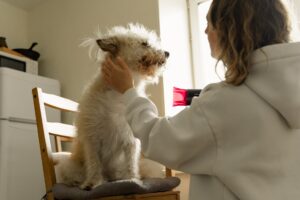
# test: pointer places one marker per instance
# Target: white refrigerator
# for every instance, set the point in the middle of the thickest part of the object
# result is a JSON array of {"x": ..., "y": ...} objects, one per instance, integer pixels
[{"x": 21, "y": 174}]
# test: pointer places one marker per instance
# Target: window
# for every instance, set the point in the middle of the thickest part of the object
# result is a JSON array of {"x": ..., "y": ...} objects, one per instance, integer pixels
[
  {"x": 204, "y": 66},
  {"x": 182, "y": 71},
  {"x": 294, "y": 7},
  {"x": 176, "y": 38}
]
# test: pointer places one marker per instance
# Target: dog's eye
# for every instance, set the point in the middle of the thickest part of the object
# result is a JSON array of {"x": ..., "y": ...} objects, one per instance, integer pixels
[{"x": 145, "y": 44}]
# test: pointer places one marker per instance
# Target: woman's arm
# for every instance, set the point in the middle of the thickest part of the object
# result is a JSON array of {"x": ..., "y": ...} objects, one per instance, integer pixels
[{"x": 183, "y": 142}]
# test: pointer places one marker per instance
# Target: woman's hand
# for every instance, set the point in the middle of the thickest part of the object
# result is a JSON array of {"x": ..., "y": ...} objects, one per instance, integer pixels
[{"x": 117, "y": 74}]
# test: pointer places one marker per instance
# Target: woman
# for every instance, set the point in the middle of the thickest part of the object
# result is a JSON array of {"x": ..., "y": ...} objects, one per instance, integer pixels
[{"x": 241, "y": 138}]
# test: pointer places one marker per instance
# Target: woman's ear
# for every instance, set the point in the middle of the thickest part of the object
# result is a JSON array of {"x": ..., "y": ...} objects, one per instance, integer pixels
[{"x": 109, "y": 44}]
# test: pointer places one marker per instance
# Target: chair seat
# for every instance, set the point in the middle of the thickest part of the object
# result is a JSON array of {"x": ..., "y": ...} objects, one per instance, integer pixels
[{"x": 148, "y": 189}]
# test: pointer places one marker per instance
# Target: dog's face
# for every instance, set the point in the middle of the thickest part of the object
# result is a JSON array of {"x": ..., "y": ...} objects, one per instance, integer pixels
[{"x": 139, "y": 48}]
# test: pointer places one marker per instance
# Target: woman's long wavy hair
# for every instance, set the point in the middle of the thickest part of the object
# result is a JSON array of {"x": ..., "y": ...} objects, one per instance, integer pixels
[{"x": 243, "y": 26}]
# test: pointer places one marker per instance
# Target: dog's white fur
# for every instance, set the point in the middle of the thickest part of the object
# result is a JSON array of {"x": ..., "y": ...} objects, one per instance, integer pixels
[{"x": 105, "y": 148}]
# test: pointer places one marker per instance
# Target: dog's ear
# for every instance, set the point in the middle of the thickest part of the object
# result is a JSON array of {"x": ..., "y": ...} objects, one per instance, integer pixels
[{"x": 109, "y": 45}]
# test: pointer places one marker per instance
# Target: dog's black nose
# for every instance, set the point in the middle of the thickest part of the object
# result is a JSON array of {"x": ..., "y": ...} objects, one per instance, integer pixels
[{"x": 167, "y": 54}]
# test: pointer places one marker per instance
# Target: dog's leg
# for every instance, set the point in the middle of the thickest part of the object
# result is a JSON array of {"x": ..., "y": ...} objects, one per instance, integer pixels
[
  {"x": 93, "y": 168},
  {"x": 132, "y": 155},
  {"x": 124, "y": 165}
]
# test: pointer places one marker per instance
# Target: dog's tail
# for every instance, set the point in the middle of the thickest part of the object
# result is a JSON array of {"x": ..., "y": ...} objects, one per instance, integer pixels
[
  {"x": 68, "y": 170},
  {"x": 59, "y": 156}
]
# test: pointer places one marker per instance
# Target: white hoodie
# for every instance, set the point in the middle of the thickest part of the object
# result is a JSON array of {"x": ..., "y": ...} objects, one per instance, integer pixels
[{"x": 237, "y": 142}]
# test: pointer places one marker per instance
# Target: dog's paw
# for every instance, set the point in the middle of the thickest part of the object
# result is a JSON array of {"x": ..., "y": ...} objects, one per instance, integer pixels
[
  {"x": 90, "y": 185},
  {"x": 98, "y": 183},
  {"x": 74, "y": 183},
  {"x": 86, "y": 186}
]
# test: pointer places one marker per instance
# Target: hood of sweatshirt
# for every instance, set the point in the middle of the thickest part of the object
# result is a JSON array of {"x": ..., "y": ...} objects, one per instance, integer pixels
[{"x": 275, "y": 77}]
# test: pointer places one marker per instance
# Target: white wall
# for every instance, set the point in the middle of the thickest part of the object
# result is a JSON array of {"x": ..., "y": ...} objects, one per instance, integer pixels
[
  {"x": 14, "y": 25},
  {"x": 59, "y": 26}
]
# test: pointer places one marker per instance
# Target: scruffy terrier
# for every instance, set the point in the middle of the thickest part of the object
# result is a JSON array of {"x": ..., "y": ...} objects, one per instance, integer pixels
[{"x": 105, "y": 148}]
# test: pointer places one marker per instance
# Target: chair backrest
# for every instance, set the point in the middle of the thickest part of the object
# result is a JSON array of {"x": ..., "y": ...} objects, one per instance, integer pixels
[{"x": 60, "y": 131}]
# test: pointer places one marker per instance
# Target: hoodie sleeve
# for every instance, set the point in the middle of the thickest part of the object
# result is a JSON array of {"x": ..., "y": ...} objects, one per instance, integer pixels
[{"x": 184, "y": 142}]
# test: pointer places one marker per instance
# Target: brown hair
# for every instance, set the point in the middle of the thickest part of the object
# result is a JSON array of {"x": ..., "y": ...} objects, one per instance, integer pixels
[{"x": 243, "y": 26}]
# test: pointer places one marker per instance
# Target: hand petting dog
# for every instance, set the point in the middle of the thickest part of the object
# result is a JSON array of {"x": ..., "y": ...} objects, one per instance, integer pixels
[{"x": 117, "y": 74}]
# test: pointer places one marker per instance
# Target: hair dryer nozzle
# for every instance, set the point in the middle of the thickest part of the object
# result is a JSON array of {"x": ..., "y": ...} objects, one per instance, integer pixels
[{"x": 183, "y": 97}]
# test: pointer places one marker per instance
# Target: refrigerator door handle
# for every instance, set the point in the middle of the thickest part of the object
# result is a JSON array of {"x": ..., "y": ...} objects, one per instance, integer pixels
[{"x": 21, "y": 120}]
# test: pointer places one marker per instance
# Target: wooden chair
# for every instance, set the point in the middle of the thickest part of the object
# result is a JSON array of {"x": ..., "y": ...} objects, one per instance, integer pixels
[{"x": 65, "y": 132}]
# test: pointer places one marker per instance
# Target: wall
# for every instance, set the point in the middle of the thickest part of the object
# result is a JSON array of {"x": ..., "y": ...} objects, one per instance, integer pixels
[
  {"x": 60, "y": 26},
  {"x": 14, "y": 25}
]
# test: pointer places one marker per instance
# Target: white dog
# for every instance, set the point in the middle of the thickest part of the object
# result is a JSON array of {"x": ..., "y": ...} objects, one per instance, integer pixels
[{"x": 105, "y": 148}]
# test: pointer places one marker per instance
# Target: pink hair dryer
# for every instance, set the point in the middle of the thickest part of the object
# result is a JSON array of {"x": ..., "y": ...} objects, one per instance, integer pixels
[{"x": 183, "y": 97}]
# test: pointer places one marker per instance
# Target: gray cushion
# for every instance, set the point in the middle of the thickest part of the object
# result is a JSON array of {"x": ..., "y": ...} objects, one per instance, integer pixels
[{"x": 115, "y": 188}]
